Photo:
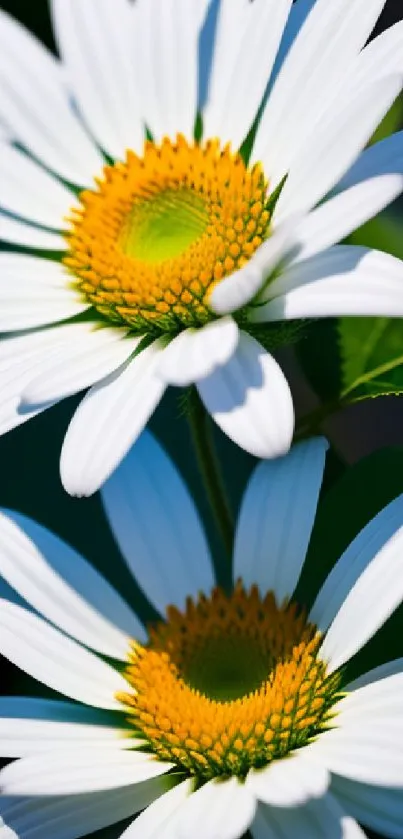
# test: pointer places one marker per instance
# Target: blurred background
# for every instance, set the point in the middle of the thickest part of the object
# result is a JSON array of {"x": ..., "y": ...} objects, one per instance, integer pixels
[{"x": 29, "y": 476}]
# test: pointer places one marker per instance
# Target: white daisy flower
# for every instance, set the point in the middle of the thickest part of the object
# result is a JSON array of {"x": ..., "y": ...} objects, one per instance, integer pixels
[
  {"x": 177, "y": 252},
  {"x": 232, "y": 711}
]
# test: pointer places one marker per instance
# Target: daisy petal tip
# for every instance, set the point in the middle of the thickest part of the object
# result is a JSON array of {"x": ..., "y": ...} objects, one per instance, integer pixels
[
  {"x": 289, "y": 783},
  {"x": 280, "y": 441},
  {"x": 75, "y": 487},
  {"x": 220, "y": 808},
  {"x": 30, "y": 400},
  {"x": 281, "y": 446},
  {"x": 73, "y": 490},
  {"x": 275, "y": 447},
  {"x": 250, "y": 399},
  {"x": 236, "y": 290},
  {"x": 6, "y": 832},
  {"x": 197, "y": 353}
]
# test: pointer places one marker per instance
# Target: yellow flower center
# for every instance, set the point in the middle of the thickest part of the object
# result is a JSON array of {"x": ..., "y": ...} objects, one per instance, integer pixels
[
  {"x": 158, "y": 232},
  {"x": 232, "y": 683}
]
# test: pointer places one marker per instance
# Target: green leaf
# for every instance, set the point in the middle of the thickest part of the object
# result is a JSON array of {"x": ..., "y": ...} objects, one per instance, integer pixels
[
  {"x": 371, "y": 349},
  {"x": 356, "y": 498},
  {"x": 371, "y": 352},
  {"x": 275, "y": 335}
]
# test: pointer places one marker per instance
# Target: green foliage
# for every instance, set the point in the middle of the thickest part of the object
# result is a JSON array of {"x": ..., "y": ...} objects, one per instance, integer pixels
[
  {"x": 275, "y": 335},
  {"x": 351, "y": 359},
  {"x": 371, "y": 349},
  {"x": 371, "y": 352},
  {"x": 350, "y": 503}
]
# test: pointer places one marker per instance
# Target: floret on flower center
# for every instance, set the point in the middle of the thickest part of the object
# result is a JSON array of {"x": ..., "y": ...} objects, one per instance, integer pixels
[
  {"x": 232, "y": 683},
  {"x": 149, "y": 243}
]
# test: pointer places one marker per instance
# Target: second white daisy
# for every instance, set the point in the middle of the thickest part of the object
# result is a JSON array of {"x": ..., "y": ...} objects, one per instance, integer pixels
[{"x": 232, "y": 712}]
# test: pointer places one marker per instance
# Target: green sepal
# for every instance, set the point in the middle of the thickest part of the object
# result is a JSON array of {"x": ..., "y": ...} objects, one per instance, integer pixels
[{"x": 275, "y": 195}]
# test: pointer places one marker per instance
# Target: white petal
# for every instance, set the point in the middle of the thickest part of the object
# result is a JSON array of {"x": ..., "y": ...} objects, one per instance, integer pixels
[
  {"x": 79, "y": 365},
  {"x": 73, "y": 816},
  {"x": 29, "y": 726},
  {"x": 242, "y": 65},
  {"x": 155, "y": 822},
  {"x": 378, "y": 701},
  {"x": 34, "y": 292},
  {"x": 64, "y": 587},
  {"x": 23, "y": 737},
  {"x": 29, "y": 191},
  {"x": 6, "y": 832},
  {"x": 383, "y": 56},
  {"x": 31, "y": 307},
  {"x": 371, "y": 601},
  {"x": 35, "y": 107},
  {"x": 157, "y": 527},
  {"x": 196, "y": 353},
  {"x": 10, "y": 414},
  {"x": 320, "y": 818},
  {"x": 95, "y": 42},
  {"x": 18, "y": 233},
  {"x": 378, "y": 673},
  {"x": 80, "y": 770},
  {"x": 369, "y": 751},
  {"x": 383, "y": 158},
  {"x": 358, "y": 556},
  {"x": 25, "y": 269},
  {"x": 250, "y": 400},
  {"x": 239, "y": 288},
  {"x": 166, "y": 43},
  {"x": 378, "y": 808},
  {"x": 225, "y": 25},
  {"x": 289, "y": 782},
  {"x": 221, "y": 809},
  {"x": 276, "y": 519},
  {"x": 60, "y": 663},
  {"x": 108, "y": 421},
  {"x": 345, "y": 280},
  {"x": 21, "y": 358},
  {"x": 337, "y": 142},
  {"x": 297, "y": 17},
  {"x": 339, "y": 262},
  {"x": 17, "y": 349},
  {"x": 300, "y": 95},
  {"x": 346, "y": 212}
]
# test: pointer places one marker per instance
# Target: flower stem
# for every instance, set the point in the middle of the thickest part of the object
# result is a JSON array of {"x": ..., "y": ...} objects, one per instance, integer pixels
[{"x": 209, "y": 466}]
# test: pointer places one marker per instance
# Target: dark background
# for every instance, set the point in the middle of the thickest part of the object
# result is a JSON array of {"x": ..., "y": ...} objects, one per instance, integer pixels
[{"x": 29, "y": 478}]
